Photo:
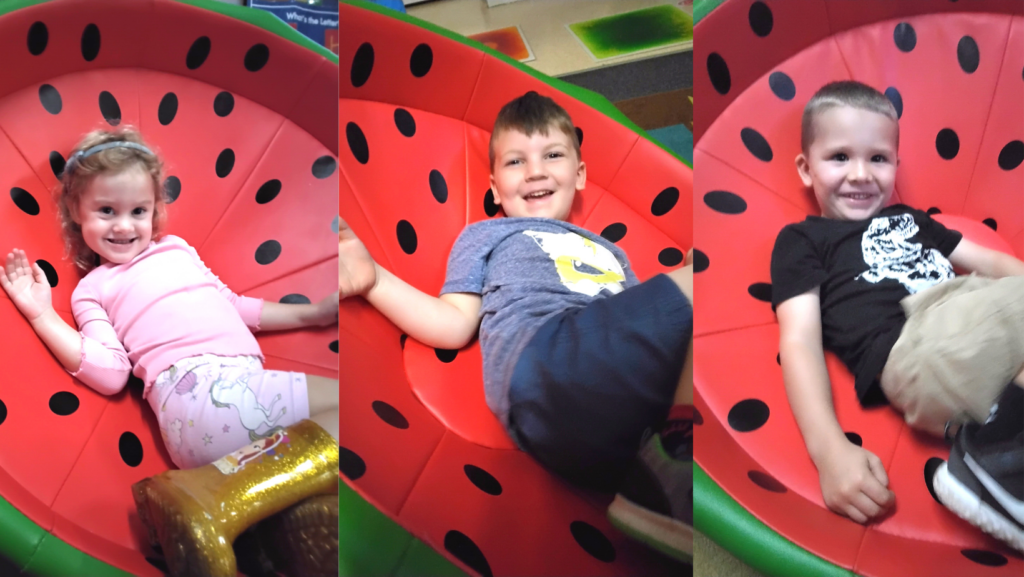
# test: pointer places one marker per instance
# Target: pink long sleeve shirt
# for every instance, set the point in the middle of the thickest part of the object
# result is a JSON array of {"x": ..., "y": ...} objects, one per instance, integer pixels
[{"x": 162, "y": 306}]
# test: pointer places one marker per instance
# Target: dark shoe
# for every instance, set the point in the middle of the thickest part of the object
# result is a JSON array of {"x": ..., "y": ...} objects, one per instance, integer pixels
[
  {"x": 983, "y": 483},
  {"x": 655, "y": 505}
]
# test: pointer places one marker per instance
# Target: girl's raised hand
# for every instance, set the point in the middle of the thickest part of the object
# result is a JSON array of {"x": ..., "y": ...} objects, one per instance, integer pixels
[
  {"x": 357, "y": 272},
  {"x": 26, "y": 285}
]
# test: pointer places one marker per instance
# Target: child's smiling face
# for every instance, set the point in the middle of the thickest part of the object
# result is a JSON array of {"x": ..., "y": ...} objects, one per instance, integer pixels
[
  {"x": 851, "y": 162},
  {"x": 116, "y": 214},
  {"x": 536, "y": 175}
]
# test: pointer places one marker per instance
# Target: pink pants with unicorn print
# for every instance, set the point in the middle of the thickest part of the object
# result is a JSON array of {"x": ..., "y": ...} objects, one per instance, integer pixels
[{"x": 210, "y": 406}]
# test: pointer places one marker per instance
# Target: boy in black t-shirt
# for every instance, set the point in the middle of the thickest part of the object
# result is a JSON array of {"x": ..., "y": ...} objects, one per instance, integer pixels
[{"x": 875, "y": 285}]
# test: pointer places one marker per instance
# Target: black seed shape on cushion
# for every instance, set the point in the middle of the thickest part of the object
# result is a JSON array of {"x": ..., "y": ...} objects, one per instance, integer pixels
[
  {"x": 268, "y": 191},
  {"x": 725, "y": 202},
  {"x": 665, "y": 201},
  {"x": 934, "y": 210},
  {"x": 357, "y": 142},
  {"x": 778, "y": 359},
  {"x": 905, "y": 37},
  {"x": 446, "y": 355},
  {"x": 947, "y": 144},
  {"x": 756, "y": 144},
  {"x": 24, "y": 200},
  {"x": 172, "y": 188},
  {"x": 670, "y": 256},
  {"x": 855, "y": 439},
  {"x": 268, "y": 252},
  {"x": 49, "y": 271},
  {"x": 333, "y": 346},
  {"x": 38, "y": 38},
  {"x": 130, "y": 449},
  {"x": 761, "y": 291},
  {"x": 991, "y": 223},
  {"x": 390, "y": 415},
  {"x": 402, "y": 339},
  {"x": 614, "y": 232},
  {"x": 438, "y": 186},
  {"x": 896, "y": 98},
  {"x": 404, "y": 122},
  {"x": 223, "y": 104},
  {"x": 64, "y": 403},
  {"x": 718, "y": 72},
  {"x": 109, "y": 108},
  {"x": 57, "y": 164},
  {"x": 362, "y": 65},
  {"x": 90, "y": 42},
  {"x": 295, "y": 299},
  {"x": 579, "y": 135},
  {"x": 698, "y": 419},
  {"x": 782, "y": 86},
  {"x": 593, "y": 541},
  {"x": 3, "y": 412},
  {"x": 50, "y": 99},
  {"x": 483, "y": 480},
  {"x": 197, "y": 53},
  {"x": 748, "y": 415},
  {"x": 490, "y": 207},
  {"x": 701, "y": 262},
  {"x": 760, "y": 18},
  {"x": 168, "y": 108},
  {"x": 225, "y": 162},
  {"x": 324, "y": 166},
  {"x": 406, "y": 236},
  {"x": 465, "y": 550},
  {"x": 989, "y": 558},
  {"x": 350, "y": 464},
  {"x": 766, "y": 481},
  {"x": 257, "y": 57},
  {"x": 967, "y": 54},
  {"x": 930, "y": 467},
  {"x": 1011, "y": 155},
  {"x": 421, "y": 60}
]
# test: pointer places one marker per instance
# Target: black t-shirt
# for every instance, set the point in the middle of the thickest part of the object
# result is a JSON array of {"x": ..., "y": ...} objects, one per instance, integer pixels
[{"x": 864, "y": 268}]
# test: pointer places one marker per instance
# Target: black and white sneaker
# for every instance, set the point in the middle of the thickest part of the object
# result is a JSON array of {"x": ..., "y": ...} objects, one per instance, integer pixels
[{"x": 983, "y": 483}]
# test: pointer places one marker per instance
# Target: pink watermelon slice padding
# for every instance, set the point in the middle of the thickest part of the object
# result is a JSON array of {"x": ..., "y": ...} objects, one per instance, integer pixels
[
  {"x": 417, "y": 106},
  {"x": 242, "y": 109},
  {"x": 953, "y": 70}
]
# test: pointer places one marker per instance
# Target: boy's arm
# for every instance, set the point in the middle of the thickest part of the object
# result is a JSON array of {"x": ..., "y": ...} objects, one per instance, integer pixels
[
  {"x": 975, "y": 258},
  {"x": 448, "y": 322},
  {"x": 853, "y": 480}
]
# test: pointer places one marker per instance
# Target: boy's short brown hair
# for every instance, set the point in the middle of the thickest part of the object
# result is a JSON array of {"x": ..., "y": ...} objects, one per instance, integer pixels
[
  {"x": 532, "y": 113},
  {"x": 844, "y": 93}
]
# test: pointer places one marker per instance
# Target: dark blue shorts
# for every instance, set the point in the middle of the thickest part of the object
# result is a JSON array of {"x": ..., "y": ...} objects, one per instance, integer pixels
[{"x": 593, "y": 379}]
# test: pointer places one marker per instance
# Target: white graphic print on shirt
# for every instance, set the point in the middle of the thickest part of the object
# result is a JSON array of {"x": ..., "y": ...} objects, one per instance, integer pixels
[
  {"x": 583, "y": 265},
  {"x": 886, "y": 250}
]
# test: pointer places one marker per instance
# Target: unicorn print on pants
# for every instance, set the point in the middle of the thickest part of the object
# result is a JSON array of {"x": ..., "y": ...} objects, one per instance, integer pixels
[{"x": 236, "y": 393}]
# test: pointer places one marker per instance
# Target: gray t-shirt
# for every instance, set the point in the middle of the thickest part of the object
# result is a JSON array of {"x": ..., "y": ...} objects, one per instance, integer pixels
[{"x": 526, "y": 270}]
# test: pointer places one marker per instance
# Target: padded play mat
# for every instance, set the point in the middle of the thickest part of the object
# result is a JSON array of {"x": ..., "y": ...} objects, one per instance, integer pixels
[
  {"x": 416, "y": 107},
  {"x": 241, "y": 107},
  {"x": 954, "y": 72}
]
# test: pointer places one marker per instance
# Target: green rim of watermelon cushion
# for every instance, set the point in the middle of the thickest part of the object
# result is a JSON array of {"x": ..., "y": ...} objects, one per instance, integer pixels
[{"x": 23, "y": 542}]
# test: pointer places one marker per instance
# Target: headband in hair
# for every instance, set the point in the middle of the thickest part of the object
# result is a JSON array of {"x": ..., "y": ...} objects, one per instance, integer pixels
[{"x": 72, "y": 162}]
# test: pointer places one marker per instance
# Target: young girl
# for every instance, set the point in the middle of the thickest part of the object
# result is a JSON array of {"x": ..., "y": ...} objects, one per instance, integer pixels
[{"x": 148, "y": 305}]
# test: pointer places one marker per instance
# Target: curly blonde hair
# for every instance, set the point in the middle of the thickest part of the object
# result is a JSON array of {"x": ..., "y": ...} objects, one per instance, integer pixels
[{"x": 79, "y": 173}]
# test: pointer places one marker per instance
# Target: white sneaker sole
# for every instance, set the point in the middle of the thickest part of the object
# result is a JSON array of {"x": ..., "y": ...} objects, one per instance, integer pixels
[
  {"x": 670, "y": 536},
  {"x": 969, "y": 507}
]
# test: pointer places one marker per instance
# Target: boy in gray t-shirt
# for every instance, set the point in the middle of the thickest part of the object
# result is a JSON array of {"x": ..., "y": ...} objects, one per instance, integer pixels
[{"x": 579, "y": 358}]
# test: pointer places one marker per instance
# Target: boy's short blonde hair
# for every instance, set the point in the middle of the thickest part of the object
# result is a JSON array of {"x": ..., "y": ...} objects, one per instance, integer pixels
[
  {"x": 532, "y": 113},
  {"x": 79, "y": 174},
  {"x": 844, "y": 93}
]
